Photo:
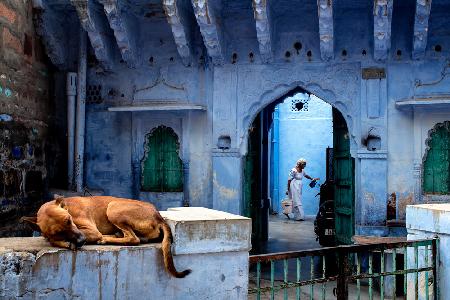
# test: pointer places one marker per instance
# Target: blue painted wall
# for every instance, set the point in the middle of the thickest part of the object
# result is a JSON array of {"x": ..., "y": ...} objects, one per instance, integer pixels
[
  {"x": 235, "y": 91},
  {"x": 305, "y": 133}
]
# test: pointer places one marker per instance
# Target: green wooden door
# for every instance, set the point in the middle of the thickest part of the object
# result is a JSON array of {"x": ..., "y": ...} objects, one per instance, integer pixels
[
  {"x": 162, "y": 168},
  {"x": 343, "y": 170},
  {"x": 436, "y": 179},
  {"x": 251, "y": 183}
]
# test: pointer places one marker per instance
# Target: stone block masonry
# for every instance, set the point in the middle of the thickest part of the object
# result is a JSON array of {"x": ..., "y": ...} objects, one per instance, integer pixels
[
  {"x": 26, "y": 117},
  {"x": 31, "y": 269}
]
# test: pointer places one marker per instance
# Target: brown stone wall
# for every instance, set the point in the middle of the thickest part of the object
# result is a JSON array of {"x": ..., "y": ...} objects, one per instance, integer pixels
[{"x": 26, "y": 117}]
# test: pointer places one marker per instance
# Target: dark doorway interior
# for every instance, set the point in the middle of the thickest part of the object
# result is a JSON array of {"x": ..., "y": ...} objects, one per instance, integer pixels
[{"x": 256, "y": 202}]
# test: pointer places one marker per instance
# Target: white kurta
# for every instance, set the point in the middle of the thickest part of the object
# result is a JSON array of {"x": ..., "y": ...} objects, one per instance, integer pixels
[{"x": 295, "y": 193}]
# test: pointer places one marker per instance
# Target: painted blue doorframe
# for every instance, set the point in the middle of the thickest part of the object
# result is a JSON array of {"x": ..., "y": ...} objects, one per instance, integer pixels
[{"x": 275, "y": 158}]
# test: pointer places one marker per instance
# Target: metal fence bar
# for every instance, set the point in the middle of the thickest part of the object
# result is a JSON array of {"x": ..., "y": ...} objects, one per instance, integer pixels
[
  {"x": 405, "y": 266},
  {"x": 394, "y": 268},
  {"x": 345, "y": 273},
  {"x": 436, "y": 260},
  {"x": 299, "y": 272},
  {"x": 382, "y": 277},
  {"x": 434, "y": 249},
  {"x": 426, "y": 274},
  {"x": 324, "y": 277},
  {"x": 311, "y": 289},
  {"x": 358, "y": 272},
  {"x": 285, "y": 267},
  {"x": 416, "y": 278},
  {"x": 370, "y": 279},
  {"x": 272, "y": 280},
  {"x": 258, "y": 280},
  {"x": 364, "y": 248}
]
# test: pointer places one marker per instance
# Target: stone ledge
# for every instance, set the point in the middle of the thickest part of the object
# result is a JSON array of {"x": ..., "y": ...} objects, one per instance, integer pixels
[
  {"x": 31, "y": 269},
  {"x": 203, "y": 230},
  {"x": 194, "y": 230},
  {"x": 429, "y": 217}
]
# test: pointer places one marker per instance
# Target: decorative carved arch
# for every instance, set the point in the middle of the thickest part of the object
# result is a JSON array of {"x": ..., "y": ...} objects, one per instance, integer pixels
[
  {"x": 431, "y": 132},
  {"x": 147, "y": 149},
  {"x": 284, "y": 90}
]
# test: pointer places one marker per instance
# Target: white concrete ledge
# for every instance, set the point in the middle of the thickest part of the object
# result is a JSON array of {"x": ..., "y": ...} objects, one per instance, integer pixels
[
  {"x": 31, "y": 269},
  {"x": 433, "y": 218},
  {"x": 203, "y": 230}
]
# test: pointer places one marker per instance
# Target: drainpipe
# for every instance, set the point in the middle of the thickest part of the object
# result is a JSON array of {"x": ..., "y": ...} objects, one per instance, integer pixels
[
  {"x": 71, "y": 88},
  {"x": 81, "y": 111}
]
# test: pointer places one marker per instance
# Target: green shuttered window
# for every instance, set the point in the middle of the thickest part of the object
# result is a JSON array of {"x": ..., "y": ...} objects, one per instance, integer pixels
[
  {"x": 436, "y": 167},
  {"x": 162, "y": 168}
]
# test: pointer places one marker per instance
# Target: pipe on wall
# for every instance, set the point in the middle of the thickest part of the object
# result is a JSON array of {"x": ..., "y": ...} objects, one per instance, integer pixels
[
  {"x": 80, "y": 111},
  {"x": 71, "y": 89}
]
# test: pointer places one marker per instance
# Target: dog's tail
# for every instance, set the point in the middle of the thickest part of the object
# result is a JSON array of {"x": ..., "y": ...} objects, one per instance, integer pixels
[{"x": 167, "y": 253}]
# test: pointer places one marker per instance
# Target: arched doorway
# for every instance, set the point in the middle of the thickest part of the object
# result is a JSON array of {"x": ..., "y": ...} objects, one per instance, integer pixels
[{"x": 257, "y": 163}]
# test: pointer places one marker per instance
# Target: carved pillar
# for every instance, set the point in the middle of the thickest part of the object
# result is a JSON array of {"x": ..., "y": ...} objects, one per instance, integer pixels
[
  {"x": 372, "y": 192},
  {"x": 186, "y": 201},
  {"x": 417, "y": 173}
]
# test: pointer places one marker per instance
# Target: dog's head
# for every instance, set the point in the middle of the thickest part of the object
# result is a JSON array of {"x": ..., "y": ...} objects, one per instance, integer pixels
[{"x": 56, "y": 224}]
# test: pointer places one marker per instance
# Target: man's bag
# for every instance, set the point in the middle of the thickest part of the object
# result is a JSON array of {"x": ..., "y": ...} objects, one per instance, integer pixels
[{"x": 286, "y": 204}]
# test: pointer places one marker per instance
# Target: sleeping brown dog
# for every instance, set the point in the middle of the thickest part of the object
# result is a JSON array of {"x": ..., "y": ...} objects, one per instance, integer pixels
[{"x": 72, "y": 222}]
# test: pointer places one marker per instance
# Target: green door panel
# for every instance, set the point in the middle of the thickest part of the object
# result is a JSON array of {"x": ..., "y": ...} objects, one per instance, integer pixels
[
  {"x": 251, "y": 183},
  {"x": 343, "y": 170},
  {"x": 162, "y": 168},
  {"x": 436, "y": 168}
]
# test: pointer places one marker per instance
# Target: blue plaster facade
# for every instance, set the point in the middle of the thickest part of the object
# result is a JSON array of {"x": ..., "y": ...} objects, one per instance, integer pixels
[
  {"x": 215, "y": 54},
  {"x": 305, "y": 133}
]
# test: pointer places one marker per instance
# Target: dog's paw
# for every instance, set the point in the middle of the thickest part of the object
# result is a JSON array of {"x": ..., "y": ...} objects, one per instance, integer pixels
[
  {"x": 72, "y": 246},
  {"x": 101, "y": 242}
]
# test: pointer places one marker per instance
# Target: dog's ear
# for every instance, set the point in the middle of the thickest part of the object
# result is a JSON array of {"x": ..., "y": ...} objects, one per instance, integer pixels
[
  {"x": 32, "y": 222},
  {"x": 59, "y": 200}
]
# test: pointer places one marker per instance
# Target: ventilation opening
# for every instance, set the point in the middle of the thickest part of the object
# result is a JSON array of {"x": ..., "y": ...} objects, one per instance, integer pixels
[
  {"x": 234, "y": 58},
  {"x": 438, "y": 48},
  {"x": 298, "y": 47}
]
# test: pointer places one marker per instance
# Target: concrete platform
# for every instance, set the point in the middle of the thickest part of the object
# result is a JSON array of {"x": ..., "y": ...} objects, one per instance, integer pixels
[{"x": 31, "y": 269}]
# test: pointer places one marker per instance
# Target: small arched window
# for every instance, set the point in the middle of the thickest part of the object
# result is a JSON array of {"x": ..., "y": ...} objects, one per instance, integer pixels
[
  {"x": 162, "y": 168},
  {"x": 436, "y": 166}
]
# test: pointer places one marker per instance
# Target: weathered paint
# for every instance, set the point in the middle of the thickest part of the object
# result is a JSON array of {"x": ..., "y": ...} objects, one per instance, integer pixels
[{"x": 232, "y": 82}]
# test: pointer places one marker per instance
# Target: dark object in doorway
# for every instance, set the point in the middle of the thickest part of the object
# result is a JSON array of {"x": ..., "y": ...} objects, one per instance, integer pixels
[
  {"x": 312, "y": 183},
  {"x": 324, "y": 226}
]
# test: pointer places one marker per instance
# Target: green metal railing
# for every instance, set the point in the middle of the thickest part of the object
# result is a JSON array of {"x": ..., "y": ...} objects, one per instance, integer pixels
[{"x": 327, "y": 273}]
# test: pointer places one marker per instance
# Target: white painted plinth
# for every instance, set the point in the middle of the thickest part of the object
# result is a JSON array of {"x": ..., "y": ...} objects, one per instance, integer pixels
[
  {"x": 31, "y": 269},
  {"x": 427, "y": 221}
]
